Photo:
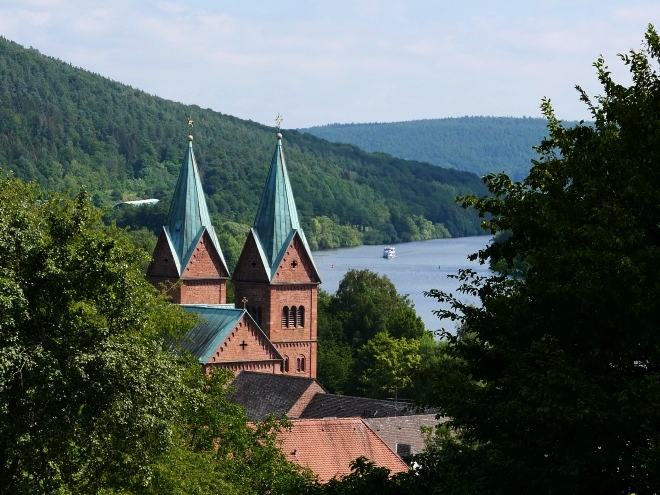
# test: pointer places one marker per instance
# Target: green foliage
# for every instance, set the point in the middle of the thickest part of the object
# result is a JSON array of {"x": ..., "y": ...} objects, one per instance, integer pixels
[
  {"x": 64, "y": 127},
  {"x": 388, "y": 365},
  {"x": 232, "y": 237},
  {"x": 480, "y": 145},
  {"x": 560, "y": 366},
  {"x": 218, "y": 452},
  {"x": 87, "y": 392},
  {"x": 364, "y": 329},
  {"x": 95, "y": 396}
]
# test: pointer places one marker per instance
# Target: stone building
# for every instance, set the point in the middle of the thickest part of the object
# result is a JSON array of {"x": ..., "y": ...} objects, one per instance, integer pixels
[{"x": 271, "y": 325}]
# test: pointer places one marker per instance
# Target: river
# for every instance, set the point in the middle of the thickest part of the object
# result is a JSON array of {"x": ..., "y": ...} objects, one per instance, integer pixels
[{"x": 418, "y": 267}]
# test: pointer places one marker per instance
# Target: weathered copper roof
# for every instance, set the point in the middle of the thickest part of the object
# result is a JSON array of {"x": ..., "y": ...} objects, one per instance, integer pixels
[
  {"x": 277, "y": 218},
  {"x": 217, "y": 322},
  {"x": 327, "y": 446},
  {"x": 189, "y": 216}
]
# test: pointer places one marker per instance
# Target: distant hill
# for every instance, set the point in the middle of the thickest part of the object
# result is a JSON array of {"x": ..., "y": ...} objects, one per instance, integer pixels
[
  {"x": 65, "y": 127},
  {"x": 474, "y": 144}
]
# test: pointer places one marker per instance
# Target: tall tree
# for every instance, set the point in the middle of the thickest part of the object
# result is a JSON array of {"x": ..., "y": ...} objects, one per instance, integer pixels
[
  {"x": 562, "y": 362},
  {"x": 87, "y": 390},
  {"x": 95, "y": 397}
]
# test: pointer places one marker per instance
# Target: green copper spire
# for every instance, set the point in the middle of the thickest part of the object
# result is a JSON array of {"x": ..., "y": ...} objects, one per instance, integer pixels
[
  {"x": 188, "y": 216},
  {"x": 277, "y": 215},
  {"x": 277, "y": 218}
]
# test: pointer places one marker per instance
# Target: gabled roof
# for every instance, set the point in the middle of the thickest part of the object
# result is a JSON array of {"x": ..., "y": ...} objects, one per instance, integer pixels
[
  {"x": 263, "y": 393},
  {"x": 189, "y": 216},
  {"x": 217, "y": 322},
  {"x": 277, "y": 217},
  {"x": 344, "y": 406},
  {"x": 328, "y": 446},
  {"x": 403, "y": 433}
]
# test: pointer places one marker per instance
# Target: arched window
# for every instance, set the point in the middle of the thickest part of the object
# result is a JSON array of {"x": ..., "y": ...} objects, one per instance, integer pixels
[
  {"x": 300, "y": 364},
  {"x": 285, "y": 365},
  {"x": 285, "y": 316},
  {"x": 292, "y": 316},
  {"x": 301, "y": 316}
]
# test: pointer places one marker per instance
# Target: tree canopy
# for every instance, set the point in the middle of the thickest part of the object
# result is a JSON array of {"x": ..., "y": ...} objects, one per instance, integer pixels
[
  {"x": 481, "y": 145},
  {"x": 65, "y": 127},
  {"x": 560, "y": 365},
  {"x": 95, "y": 396}
]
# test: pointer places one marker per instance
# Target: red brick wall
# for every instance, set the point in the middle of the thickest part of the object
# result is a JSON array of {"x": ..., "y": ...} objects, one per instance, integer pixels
[
  {"x": 204, "y": 277},
  {"x": 295, "y": 350},
  {"x": 250, "y": 266},
  {"x": 258, "y": 348},
  {"x": 203, "y": 292},
  {"x": 295, "y": 267},
  {"x": 295, "y": 284},
  {"x": 205, "y": 261},
  {"x": 236, "y": 368},
  {"x": 162, "y": 260}
]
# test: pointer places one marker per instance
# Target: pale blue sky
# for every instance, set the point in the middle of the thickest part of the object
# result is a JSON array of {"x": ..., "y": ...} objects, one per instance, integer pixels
[{"x": 343, "y": 60}]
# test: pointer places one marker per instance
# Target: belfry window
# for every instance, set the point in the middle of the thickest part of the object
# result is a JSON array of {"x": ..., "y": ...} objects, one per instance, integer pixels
[
  {"x": 292, "y": 316},
  {"x": 285, "y": 365},
  {"x": 301, "y": 316},
  {"x": 300, "y": 364},
  {"x": 285, "y": 316}
]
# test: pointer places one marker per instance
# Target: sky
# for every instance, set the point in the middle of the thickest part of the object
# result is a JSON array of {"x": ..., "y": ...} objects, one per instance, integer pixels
[{"x": 343, "y": 61}]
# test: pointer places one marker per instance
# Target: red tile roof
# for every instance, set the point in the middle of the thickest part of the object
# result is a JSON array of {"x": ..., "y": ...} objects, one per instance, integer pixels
[{"x": 327, "y": 446}]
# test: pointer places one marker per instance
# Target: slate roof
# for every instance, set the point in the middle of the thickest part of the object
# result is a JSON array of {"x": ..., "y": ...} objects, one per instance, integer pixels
[
  {"x": 217, "y": 322},
  {"x": 262, "y": 393},
  {"x": 403, "y": 434},
  {"x": 277, "y": 221},
  {"x": 327, "y": 446},
  {"x": 343, "y": 406},
  {"x": 189, "y": 216}
]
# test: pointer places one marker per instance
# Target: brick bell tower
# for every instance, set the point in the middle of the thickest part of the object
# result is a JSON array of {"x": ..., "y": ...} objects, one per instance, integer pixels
[
  {"x": 188, "y": 250},
  {"x": 275, "y": 277}
]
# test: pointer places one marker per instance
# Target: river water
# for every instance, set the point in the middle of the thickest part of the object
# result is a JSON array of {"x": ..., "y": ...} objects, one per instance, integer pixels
[{"x": 418, "y": 267}]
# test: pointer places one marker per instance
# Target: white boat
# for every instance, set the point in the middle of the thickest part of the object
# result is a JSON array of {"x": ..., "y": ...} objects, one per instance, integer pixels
[{"x": 389, "y": 252}]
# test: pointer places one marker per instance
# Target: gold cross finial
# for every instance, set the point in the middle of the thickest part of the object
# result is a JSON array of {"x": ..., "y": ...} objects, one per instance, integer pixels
[
  {"x": 190, "y": 122},
  {"x": 279, "y": 120},
  {"x": 244, "y": 301}
]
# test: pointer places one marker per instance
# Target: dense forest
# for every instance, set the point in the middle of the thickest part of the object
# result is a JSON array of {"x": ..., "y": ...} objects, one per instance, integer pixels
[
  {"x": 480, "y": 145},
  {"x": 65, "y": 127}
]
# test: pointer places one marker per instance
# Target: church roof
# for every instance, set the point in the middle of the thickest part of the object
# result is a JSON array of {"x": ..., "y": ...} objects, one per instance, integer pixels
[
  {"x": 264, "y": 393},
  {"x": 217, "y": 322},
  {"x": 277, "y": 218},
  {"x": 189, "y": 216}
]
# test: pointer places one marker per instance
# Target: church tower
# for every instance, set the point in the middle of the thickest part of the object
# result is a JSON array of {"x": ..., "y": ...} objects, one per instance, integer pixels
[
  {"x": 275, "y": 278},
  {"x": 188, "y": 250}
]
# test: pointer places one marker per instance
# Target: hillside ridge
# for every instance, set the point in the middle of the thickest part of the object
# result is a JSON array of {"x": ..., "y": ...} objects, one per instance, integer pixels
[
  {"x": 66, "y": 127},
  {"x": 477, "y": 144}
]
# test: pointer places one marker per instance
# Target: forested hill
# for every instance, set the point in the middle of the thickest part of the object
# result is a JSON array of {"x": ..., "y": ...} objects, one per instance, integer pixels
[
  {"x": 66, "y": 127},
  {"x": 475, "y": 144}
]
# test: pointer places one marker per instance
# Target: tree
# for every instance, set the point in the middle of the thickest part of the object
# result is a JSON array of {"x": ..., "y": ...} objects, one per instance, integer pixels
[
  {"x": 365, "y": 306},
  {"x": 562, "y": 362},
  {"x": 367, "y": 303},
  {"x": 88, "y": 389},
  {"x": 217, "y": 451},
  {"x": 388, "y": 366},
  {"x": 96, "y": 398}
]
